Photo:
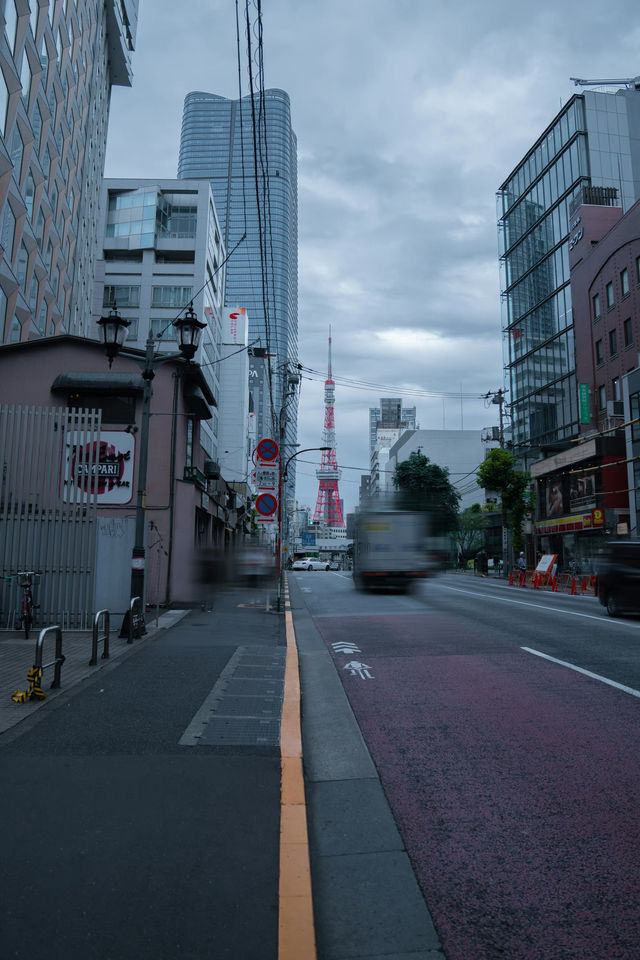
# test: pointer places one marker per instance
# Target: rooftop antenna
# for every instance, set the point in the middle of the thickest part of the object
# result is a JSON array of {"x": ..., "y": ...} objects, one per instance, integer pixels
[{"x": 630, "y": 82}]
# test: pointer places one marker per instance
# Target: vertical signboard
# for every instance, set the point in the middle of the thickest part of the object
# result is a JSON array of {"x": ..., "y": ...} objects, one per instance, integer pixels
[{"x": 583, "y": 394}]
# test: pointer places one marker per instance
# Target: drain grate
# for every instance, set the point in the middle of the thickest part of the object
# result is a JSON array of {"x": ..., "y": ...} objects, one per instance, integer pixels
[
  {"x": 241, "y": 731},
  {"x": 245, "y": 705}
]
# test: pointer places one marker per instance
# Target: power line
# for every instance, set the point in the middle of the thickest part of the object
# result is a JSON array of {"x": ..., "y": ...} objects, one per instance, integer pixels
[{"x": 357, "y": 384}]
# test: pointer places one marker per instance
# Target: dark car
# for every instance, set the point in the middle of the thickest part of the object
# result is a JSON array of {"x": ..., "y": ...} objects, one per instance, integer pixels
[{"x": 619, "y": 577}]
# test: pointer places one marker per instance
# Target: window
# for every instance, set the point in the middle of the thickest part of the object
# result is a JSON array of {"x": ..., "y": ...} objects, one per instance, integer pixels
[
  {"x": 25, "y": 77},
  {"x": 21, "y": 266},
  {"x": 10, "y": 23},
  {"x": 596, "y": 307},
  {"x": 115, "y": 409},
  {"x": 615, "y": 385},
  {"x": 16, "y": 152},
  {"x": 638, "y": 269},
  {"x": 610, "y": 297},
  {"x": 188, "y": 457},
  {"x": 624, "y": 282},
  {"x": 628, "y": 333},
  {"x": 4, "y": 102},
  {"x": 613, "y": 343},
  {"x": 8, "y": 229},
  {"x": 3, "y": 314},
  {"x": 171, "y": 297},
  {"x": 599, "y": 354},
  {"x": 602, "y": 397},
  {"x": 123, "y": 296}
]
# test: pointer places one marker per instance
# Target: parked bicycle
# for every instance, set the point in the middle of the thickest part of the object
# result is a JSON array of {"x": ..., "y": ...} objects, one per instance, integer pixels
[{"x": 28, "y": 603}]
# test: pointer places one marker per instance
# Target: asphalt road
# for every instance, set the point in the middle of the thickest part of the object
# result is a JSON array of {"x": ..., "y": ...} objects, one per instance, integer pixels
[{"x": 512, "y": 773}]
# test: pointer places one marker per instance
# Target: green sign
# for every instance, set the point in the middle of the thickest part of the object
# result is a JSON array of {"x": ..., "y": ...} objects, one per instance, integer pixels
[{"x": 583, "y": 393}]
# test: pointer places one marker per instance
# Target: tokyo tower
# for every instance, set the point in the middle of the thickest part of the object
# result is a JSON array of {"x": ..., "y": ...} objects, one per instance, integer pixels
[{"x": 328, "y": 506}]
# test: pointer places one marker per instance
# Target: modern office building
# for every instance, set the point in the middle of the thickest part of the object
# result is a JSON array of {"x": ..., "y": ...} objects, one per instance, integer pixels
[
  {"x": 59, "y": 61},
  {"x": 256, "y": 195},
  {"x": 161, "y": 249},
  {"x": 391, "y": 414},
  {"x": 594, "y": 141}
]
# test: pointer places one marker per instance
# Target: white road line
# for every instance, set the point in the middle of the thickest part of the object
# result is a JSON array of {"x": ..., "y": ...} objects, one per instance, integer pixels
[
  {"x": 587, "y": 673},
  {"x": 541, "y": 606}
]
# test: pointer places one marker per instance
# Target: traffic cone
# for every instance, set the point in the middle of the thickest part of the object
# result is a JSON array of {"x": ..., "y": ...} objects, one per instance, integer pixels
[
  {"x": 511, "y": 578},
  {"x": 522, "y": 578},
  {"x": 573, "y": 587},
  {"x": 554, "y": 585},
  {"x": 536, "y": 583}
]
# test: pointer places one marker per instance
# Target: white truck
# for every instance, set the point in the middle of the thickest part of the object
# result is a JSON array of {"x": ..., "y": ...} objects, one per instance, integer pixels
[{"x": 390, "y": 549}]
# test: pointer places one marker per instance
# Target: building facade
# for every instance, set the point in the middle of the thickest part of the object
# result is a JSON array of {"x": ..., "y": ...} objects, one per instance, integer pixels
[
  {"x": 605, "y": 291},
  {"x": 391, "y": 414},
  {"x": 59, "y": 61},
  {"x": 256, "y": 194},
  {"x": 594, "y": 141},
  {"x": 459, "y": 451},
  {"x": 161, "y": 249}
]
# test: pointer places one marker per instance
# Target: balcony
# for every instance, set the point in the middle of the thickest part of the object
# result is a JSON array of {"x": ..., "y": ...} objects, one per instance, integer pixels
[{"x": 196, "y": 476}]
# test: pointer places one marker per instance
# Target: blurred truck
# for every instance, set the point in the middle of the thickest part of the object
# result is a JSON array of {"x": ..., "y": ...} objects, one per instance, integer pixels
[{"x": 390, "y": 549}]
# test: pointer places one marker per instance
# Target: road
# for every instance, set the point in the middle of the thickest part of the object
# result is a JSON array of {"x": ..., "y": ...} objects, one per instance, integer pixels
[{"x": 504, "y": 725}]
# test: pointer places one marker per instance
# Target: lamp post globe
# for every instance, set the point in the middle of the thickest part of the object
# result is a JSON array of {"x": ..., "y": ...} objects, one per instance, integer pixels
[
  {"x": 114, "y": 331},
  {"x": 189, "y": 328}
]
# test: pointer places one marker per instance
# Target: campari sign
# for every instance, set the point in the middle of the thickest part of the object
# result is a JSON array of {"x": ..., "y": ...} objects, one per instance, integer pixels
[{"x": 102, "y": 467}]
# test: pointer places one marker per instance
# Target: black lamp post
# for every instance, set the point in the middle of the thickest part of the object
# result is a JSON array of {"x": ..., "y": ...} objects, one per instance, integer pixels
[{"x": 114, "y": 328}]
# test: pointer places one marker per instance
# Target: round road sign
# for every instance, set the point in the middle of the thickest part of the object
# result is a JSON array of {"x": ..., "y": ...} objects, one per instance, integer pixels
[
  {"x": 267, "y": 450},
  {"x": 266, "y": 504}
]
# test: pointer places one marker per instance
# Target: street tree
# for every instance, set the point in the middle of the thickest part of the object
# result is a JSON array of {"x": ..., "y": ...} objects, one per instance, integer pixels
[
  {"x": 424, "y": 486},
  {"x": 500, "y": 472},
  {"x": 469, "y": 536}
]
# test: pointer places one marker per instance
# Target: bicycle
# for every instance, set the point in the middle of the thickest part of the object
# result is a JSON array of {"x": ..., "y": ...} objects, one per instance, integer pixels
[{"x": 28, "y": 604}]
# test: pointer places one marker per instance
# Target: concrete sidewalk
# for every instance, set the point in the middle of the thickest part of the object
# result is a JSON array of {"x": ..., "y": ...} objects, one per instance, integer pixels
[{"x": 17, "y": 656}]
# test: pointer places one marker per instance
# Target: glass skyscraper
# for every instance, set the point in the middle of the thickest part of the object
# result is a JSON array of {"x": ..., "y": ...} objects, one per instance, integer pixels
[
  {"x": 261, "y": 199},
  {"x": 58, "y": 63},
  {"x": 593, "y": 141}
]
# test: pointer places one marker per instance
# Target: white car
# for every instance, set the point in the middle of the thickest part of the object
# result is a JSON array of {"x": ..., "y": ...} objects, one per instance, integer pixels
[{"x": 310, "y": 563}]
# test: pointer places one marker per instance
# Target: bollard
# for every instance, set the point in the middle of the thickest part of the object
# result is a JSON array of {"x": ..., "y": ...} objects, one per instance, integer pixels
[
  {"x": 35, "y": 691},
  {"x": 101, "y": 614}
]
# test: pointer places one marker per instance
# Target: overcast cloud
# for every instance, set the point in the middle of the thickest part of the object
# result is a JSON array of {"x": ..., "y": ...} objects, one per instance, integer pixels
[{"x": 409, "y": 115}]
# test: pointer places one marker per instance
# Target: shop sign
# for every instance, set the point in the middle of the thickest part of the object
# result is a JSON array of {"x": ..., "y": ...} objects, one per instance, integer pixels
[
  {"x": 565, "y": 524},
  {"x": 597, "y": 518},
  {"x": 583, "y": 393},
  {"x": 103, "y": 467}
]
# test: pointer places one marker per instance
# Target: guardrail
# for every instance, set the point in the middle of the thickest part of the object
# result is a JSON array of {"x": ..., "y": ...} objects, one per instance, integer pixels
[{"x": 103, "y": 638}]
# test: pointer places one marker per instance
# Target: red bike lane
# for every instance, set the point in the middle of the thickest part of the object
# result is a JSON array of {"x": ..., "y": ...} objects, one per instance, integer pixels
[{"x": 514, "y": 782}]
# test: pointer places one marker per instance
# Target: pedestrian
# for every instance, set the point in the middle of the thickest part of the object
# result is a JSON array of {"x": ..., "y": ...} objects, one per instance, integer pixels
[{"x": 522, "y": 563}]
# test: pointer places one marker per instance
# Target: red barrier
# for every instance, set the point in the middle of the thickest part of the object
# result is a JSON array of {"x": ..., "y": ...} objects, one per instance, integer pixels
[
  {"x": 554, "y": 585},
  {"x": 522, "y": 578},
  {"x": 573, "y": 587},
  {"x": 536, "y": 582},
  {"x": 511, "y": 579}
]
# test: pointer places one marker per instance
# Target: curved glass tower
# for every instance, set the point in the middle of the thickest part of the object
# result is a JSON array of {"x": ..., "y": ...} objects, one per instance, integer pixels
[{"x": 261, "y": 199}]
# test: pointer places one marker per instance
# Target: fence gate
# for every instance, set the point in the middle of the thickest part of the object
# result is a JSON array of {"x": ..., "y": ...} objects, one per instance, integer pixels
[{"x": 48, "y": 511}]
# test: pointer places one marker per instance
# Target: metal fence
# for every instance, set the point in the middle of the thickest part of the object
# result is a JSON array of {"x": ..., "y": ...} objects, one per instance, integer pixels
[{"x": 48, "y": 511}]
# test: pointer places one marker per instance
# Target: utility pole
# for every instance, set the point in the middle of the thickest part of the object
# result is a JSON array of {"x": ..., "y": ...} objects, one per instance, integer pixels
[{"x": 290, "y": 381}]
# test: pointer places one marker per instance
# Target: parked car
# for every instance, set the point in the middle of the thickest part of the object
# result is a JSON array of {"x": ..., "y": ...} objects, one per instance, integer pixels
[
  {"x": 310, "y": 563},
  {"x": 619, "y": 577}
]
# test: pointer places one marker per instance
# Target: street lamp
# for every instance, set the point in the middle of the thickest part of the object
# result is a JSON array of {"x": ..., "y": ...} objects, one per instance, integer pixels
[{"x": 114, "y": 328}]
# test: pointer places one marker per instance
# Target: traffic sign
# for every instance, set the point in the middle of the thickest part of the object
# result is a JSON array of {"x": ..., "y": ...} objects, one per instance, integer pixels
[
  {"x": 266, "y": 504},
  {"x": 266, "y": 477},
  {"x": 267, "y": 450}
]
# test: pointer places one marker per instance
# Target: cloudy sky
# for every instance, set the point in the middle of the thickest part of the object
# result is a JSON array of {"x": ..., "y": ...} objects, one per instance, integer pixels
[{"x": 409, "y": 114}]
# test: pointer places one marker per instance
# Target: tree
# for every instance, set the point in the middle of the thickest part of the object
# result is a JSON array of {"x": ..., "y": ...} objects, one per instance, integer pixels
[
  {"x": 424, "y": 486},
  {"x": 499, "y": 472},
  {"x": 469, "y": 537}
]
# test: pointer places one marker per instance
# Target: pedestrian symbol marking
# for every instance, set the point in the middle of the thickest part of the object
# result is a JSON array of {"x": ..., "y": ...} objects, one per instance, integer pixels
[
  {"x": 344, "y": 646},
  {"x": 358, "y": 669}
]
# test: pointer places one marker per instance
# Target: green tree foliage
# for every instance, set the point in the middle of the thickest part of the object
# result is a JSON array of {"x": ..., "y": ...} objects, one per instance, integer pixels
[
  {"x": 469, "y": 537},
  {"x": 499, "y": 472},
  {"x": 424, "y": 486}
]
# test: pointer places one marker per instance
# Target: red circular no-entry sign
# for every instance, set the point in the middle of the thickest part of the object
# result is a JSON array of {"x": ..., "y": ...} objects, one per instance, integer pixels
[
  {"x": 266, "y": 504},
  {"x": 267, "y": 450}
]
